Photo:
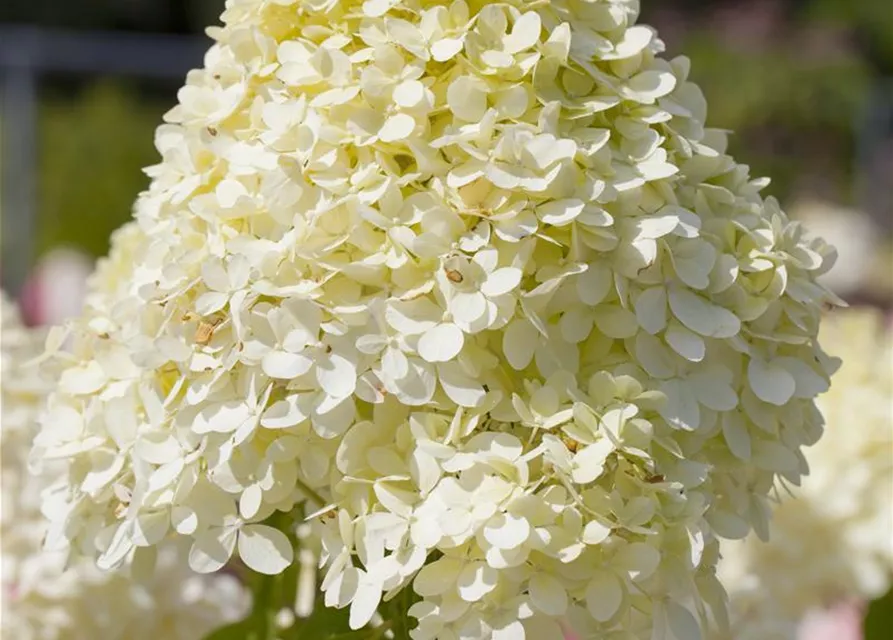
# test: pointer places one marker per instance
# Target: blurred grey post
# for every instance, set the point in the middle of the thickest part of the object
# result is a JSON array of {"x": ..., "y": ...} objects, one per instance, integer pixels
[
  {"x": 874, "y": 155},
  {"x": 25, "y": 54},
  {"x": 18, "y": 156}
]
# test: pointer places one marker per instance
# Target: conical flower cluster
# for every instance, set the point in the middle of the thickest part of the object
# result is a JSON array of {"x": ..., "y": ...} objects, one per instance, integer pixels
[
  {"x": 42, "y": 597},
  {"x": 830, "y": 538},
  {"x": 471, "y": 284}
]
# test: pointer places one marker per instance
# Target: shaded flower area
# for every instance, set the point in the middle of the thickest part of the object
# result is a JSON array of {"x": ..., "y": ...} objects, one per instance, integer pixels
[
  {"x": 48, "y": 597},
  {"x": 830, "y": 541},
  {"x": 469, "y": 286}
]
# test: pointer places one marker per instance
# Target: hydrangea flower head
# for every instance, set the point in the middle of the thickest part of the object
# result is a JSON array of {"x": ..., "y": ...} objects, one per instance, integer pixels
[
  {"x": 830, "y": 541},
  {"x": 44, "y": 597},
  {"x": 476, "y": 279}
]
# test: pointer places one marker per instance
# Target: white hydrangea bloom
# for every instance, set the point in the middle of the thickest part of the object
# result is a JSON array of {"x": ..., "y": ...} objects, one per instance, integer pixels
[
  {"x": 44, "y": 599},
  {"x": 475, "y": 275},
  {"x": 830, "y": 540}
]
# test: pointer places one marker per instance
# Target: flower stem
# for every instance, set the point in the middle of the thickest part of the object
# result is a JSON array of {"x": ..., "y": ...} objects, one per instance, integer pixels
[
  {"x": 399, "y": 614},
  {"x": 310, "y": 493},
  {"x": 263, "y": 614}
]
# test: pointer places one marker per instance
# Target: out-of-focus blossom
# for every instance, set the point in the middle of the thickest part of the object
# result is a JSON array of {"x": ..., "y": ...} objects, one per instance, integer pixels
[
  {"x": 830, "y": 540},
  {"x": 56, "y": 288},
  {"x": 475, "y": 277},
  {"x": 569, "y": 634},
  {"x": 44, "y": 597},
  {"x": 840, "y": 622}
]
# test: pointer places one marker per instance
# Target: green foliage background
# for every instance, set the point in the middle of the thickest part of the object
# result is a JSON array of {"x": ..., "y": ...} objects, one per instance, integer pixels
[{"x": 92, "y": 148}]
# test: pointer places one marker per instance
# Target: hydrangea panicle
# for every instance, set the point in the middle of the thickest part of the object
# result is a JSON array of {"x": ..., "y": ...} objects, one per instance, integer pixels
[{"x": 477, "y": 276}]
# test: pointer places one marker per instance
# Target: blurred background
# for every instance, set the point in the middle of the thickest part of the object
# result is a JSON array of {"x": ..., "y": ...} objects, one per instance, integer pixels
[{"x": 807, "y": 86}]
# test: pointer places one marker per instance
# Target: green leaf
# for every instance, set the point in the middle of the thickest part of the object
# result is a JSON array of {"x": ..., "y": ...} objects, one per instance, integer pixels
[
  {"x": 236, "y": 631},
  {"x": 323, "y": 623},
  {"x": 879, "y": 619}
]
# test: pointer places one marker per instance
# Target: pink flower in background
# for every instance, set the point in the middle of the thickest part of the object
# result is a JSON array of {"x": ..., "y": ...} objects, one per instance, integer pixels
[
  {"x": 56, "y": 288},
  {"x": 840, "y": 622},
  {"x": 568, "y": 633}
]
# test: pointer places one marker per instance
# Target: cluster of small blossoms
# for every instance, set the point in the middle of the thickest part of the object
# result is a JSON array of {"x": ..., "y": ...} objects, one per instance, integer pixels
[
  {"x": 476, "y": 279},
  {"x": 44, "y": 599},
  {"x": 830, "y": 540}
]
